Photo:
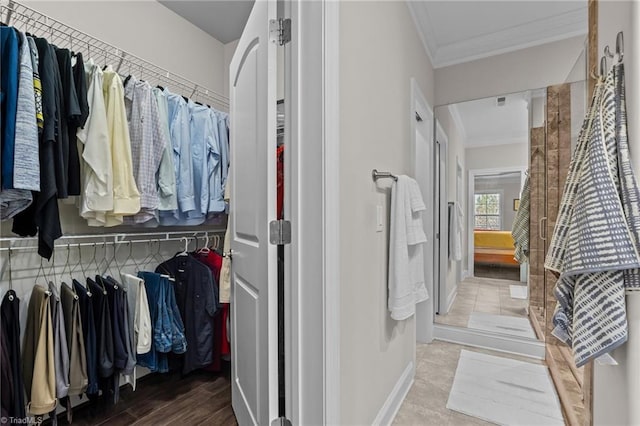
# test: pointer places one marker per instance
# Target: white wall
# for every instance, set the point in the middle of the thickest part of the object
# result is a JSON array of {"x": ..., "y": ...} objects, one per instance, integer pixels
[
  {"x": 498, "y": 156},
  {"x": 530, "y": 68},
  {"x": 146, "y": 29},
  {"x": 229, "y": 50},
  {"x": 379, "y": 53}
]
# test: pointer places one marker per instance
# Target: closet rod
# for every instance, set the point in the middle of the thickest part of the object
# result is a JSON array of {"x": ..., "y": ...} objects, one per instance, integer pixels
[
  {"x": 66, "y": 36},
  {"x": 100, "y": 243},
  {"x": 121, "y": 236}
]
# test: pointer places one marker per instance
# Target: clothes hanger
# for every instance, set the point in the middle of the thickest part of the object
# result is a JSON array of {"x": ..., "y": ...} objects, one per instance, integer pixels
[
  {"x": 205, "y": 249},
  {"x": 81, "y": 270},
  {"x": 130, "y": 256},
  {"x": 95, "y": 249},
  {"x": 41, "y": 269},
  {"x": 158, "y": 258},
  {"x": 11, "y": 297},
  {"x": 186, "y": 247}
]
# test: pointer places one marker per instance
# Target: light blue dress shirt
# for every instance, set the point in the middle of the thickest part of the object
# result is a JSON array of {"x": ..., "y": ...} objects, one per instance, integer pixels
[
  {"x": 179, "y": 126},
  {"x": 201, "y": 139},
  {"x": 223, "y": 138}
]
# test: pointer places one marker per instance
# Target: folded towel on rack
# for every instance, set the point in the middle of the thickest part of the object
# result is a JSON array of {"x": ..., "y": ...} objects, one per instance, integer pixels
[
  {"x": 595, "y": 241},
  {"x": 406, "y": 259}
]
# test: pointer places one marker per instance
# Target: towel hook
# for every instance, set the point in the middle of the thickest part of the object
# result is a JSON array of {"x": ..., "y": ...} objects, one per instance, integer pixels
[{"x": 620, "y": 46}]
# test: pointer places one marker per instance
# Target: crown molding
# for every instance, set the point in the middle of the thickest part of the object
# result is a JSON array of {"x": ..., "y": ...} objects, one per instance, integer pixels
[
  {"x": 536, "y": 33},
  {"x": 419, "y": 13},
  {"x": 485, "y": 142}
]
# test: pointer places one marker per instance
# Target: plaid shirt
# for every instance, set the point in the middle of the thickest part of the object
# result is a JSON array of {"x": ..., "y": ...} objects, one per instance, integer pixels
[{"x": 148, "y": 141}]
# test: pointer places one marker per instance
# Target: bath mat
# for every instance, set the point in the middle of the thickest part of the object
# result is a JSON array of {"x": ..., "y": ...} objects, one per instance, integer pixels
[
  {"x": 518, "y": 291},
  {"x": 504, "y": 391},
  {"x": 503, "y": 324}
]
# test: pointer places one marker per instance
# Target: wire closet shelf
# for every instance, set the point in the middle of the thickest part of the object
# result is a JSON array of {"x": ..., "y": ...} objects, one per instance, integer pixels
[{"x": 64, "y": 36}]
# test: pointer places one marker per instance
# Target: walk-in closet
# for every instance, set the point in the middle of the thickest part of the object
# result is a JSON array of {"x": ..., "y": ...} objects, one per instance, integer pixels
[{"x": 115, "y": 234}]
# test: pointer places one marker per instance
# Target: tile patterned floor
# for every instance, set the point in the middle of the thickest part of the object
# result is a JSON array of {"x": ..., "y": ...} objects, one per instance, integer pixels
[
  {"x": 491, "y": 296},
  {"x": 426, "y": 402}
]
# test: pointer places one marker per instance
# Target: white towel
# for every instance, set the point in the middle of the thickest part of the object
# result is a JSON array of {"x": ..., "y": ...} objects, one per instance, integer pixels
[
  {"x": 458, "y": 220},
  {"x": 406, "y": 258}
]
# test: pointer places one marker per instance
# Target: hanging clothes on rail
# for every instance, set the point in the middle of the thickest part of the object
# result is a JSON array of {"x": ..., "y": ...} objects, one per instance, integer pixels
[
  {"x": 85, "y": 305},
  {"x": 196, "y": 300},
  {"x": 38, "y": 354},
  {"x": 148, "y": 142},
  {"x": 126, "y": 197},
  {"x": 60, "y": 348},
  {"x": 13, "y": 404},
  {"x": 595, "y": 246},
  {"x": 43, "y": 217}
]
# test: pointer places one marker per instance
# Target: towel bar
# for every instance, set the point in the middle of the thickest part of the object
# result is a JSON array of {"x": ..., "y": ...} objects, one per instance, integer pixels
[{"x": 375, "y": 174}]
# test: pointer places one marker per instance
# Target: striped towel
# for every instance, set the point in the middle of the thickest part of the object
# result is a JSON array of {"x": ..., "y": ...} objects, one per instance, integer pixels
[
  {"x": 520, "y": 229},
  {"x": 593, "y": 247}
]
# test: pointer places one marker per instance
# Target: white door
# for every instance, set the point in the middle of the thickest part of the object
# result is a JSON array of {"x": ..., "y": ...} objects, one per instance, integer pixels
[{"x": 254, "y": 304}]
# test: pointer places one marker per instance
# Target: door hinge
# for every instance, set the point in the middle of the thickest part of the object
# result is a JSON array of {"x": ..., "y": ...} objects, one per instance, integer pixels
[
  {"x": 280, "y": 232},
  {"x": 280, "y": 31},
  {"x": 281, "y": 421}
]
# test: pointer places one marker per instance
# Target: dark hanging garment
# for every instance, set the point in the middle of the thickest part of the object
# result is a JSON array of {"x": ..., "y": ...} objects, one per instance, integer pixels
[
  {"x": 42, "y": 216},
  {"x": 104, "y": 331},
  {"x": 10, "y": 70},
  {"x": 89, "y": 333},
  {"x": 10, "y": 329},
  {"x": 6, "y": 379},
  {"x": 61, "y": 151},
  {"x": 116, "y": 308},
  {"x": 195, "y": 294},
  {"x": 80, "y": 80},
  {"x": 214, "y": 261},
  {"x": 70, "y": 115}
]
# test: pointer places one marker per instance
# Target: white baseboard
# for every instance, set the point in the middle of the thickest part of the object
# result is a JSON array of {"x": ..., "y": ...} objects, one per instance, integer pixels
[
  {"x": 452, "y": 298},
  {"x": 391, "y": 406},
  {"x": 487, "y": 340},
  {"x": 465, "y": 274}
]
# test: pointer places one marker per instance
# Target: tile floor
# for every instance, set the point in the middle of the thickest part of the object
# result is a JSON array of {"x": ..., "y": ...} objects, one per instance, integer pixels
[
  {"x": 426, "y": 401},
  {"x": 491, "y": 296}
]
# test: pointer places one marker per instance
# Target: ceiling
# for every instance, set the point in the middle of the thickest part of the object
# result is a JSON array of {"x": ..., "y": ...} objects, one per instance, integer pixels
[
  {"x": 452, "y": 31},
  {"x": 459, "y": 31},
  {"x": 224, "y": 20},
  {"x": 483, "y": 123}
]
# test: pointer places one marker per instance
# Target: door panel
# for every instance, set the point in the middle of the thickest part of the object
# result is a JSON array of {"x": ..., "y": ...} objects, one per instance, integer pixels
[{"x": 254, "y": 305}]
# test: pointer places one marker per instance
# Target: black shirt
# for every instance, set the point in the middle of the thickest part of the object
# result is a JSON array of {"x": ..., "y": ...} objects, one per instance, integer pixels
[
  {"x": 80, "y": 79},
  {"x": 70, "y": 115},
  {"x": 195, "y": 294}
]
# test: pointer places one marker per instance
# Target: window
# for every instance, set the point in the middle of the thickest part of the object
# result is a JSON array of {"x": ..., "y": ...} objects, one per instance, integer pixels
[{"x": 487, "y": 211}]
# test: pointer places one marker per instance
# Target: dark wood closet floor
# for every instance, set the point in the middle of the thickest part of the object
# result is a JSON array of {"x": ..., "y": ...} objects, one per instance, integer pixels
[{"x": 200, "y": 398}]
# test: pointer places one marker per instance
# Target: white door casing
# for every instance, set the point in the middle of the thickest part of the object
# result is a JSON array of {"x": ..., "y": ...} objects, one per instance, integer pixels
[
  {"x": 421, "y": 117},
  {"x": 254, "y": 304}
]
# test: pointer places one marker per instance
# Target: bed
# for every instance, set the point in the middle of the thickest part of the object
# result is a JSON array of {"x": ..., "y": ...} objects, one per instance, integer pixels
[{"x": 494, "y": 248}]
